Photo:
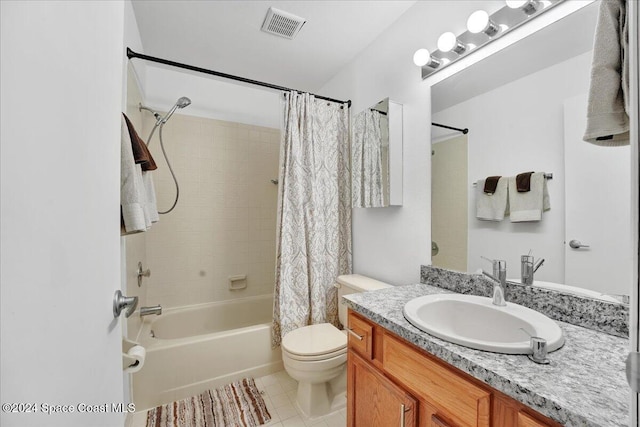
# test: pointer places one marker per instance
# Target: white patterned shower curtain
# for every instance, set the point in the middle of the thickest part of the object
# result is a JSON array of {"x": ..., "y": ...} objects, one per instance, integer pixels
[
  {"x": 314, "y": 213},
  {"x": 366, "y": 160}
]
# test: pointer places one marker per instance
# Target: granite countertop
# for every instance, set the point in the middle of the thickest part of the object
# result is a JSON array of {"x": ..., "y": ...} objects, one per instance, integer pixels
[{"x": 584, "y": 385}]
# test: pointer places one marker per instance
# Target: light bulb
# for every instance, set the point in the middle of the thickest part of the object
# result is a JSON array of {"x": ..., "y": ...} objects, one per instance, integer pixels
[
  {"x": 479, "y": 22},
  {"x": 449, "y": 42},
  {"x": 421, "y": 57},
  {"x": 516, "y": 4},
  {"x": 528, "y": 6}
]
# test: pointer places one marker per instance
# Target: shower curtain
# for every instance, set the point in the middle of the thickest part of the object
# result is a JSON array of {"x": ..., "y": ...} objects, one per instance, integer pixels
[
  {"x": 314, "y": 213},
  {"x": 366, "y": 160}
]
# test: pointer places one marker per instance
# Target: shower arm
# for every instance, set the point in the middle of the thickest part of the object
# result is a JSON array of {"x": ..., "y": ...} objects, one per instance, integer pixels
[{"x": 154, "y": 112}]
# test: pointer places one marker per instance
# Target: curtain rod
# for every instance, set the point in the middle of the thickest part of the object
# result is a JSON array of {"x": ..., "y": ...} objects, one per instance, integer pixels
[
  {"x": 131, "y": 55},
  {"x": 464, "y": 131}
]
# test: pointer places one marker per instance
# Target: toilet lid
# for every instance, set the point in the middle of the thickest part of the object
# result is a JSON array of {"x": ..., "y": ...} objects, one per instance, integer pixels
[{"x": 314, "y": 340}]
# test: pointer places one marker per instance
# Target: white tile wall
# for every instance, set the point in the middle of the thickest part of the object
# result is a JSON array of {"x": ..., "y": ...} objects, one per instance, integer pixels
[
  {"x": 135, "y": 244},
  {"x": 225, "y": 221}
]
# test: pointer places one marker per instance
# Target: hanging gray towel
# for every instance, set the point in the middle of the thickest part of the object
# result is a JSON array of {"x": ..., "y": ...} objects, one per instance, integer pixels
[{"x": 607, "y": 118}]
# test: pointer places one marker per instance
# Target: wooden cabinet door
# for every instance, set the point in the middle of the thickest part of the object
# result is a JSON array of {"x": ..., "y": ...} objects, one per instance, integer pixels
[
  {"x": 436, "y": 421},
  {"x": 509, "y": 413},
  {"x": 462, "y": 402},
  {"x": 526, "y": 420},
  {"x": 360, "y": 336},
  {"x": 373, "y": 400}
]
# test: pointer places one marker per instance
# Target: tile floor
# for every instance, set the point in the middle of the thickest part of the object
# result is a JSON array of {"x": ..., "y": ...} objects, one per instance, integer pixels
[{"x": 280, "y": 395}]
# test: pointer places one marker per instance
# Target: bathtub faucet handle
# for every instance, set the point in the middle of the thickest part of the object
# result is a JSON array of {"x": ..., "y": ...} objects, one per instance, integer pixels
[{"x": 142, "y": 273}]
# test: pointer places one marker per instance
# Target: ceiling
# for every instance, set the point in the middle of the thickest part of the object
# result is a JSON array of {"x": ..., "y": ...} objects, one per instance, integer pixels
[{"x": 225, "y": 36}]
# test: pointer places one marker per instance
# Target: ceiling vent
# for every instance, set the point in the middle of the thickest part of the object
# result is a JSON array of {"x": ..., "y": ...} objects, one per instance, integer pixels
[{"x": 282, "y": 23}]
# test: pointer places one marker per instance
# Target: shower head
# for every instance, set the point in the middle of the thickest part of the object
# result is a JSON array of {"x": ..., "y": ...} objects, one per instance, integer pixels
[
  {"x": 180, "y": 103},
  {"x": 183, "y": 102}
]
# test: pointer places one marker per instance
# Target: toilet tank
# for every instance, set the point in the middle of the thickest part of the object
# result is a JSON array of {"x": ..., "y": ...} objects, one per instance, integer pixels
[{"x": 353, "y": 283}]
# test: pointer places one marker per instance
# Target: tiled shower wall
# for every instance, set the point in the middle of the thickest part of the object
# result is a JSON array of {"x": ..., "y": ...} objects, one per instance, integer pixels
[
  {"x": 134, "y": 244},
  {"x": 224, "y": 224}
]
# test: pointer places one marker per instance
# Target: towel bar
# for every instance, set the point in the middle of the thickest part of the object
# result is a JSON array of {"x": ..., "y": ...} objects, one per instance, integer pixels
[{"x": 547, "y": 176}]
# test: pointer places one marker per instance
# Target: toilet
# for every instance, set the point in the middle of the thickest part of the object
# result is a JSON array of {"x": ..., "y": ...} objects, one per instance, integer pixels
[{"x": 316, "y": 355}]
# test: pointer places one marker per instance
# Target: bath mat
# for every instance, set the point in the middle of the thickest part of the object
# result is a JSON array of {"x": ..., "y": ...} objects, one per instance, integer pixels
[{"x": 238, "y": 404}]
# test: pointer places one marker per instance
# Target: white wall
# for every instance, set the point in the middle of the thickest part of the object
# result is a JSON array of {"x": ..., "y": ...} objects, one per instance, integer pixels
[
  {"x": 391, "y": 243},
  {"x": 516, "y": 128},
  {"x": 133, "y": 40},
  {"x": 211, "y": 98},
  {"x": 61, "y": 86}
]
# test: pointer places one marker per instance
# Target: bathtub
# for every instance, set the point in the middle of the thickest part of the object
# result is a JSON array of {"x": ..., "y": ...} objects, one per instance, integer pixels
[{"x": 195, "y": 348}]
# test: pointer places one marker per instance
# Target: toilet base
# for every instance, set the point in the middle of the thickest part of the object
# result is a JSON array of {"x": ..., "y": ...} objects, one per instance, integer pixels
[{"x": 319, "y": 399}]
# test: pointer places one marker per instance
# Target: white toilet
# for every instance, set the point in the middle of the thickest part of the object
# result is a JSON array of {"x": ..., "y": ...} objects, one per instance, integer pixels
[{"x": 316, "y": 355}]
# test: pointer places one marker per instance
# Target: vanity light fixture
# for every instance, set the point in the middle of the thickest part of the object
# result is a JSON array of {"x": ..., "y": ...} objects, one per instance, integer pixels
[
  {"x": 482, "y": 28},
  {"x": 527, "y": 6},
  {"x": 449, "y": 42},
  {"x": 423, "y": 57},
  {"x": 479, "y": 22}
]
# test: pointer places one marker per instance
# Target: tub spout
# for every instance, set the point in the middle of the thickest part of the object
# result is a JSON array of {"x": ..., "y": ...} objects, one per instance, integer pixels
[{"x": 145, "y": 311}]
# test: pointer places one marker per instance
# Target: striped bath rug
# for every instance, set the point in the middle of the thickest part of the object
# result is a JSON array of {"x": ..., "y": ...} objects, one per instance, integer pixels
[{"x": 238, "y": 404}]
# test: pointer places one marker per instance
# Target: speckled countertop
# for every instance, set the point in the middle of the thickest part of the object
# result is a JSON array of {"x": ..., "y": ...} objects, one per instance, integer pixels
[{"x": 584, "y": 385}]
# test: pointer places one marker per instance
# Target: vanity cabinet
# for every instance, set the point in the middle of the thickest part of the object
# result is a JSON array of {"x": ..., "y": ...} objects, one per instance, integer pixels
[
  {"x": 375, "y": 400},
  {"x": 391, "y": 381}
]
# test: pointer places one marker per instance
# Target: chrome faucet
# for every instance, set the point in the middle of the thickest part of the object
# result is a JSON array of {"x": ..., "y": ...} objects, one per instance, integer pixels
[
  {"x": 527, "y": 269},
  {"x": 499, "y": 281},
  {"x": 145, "y": 311}
]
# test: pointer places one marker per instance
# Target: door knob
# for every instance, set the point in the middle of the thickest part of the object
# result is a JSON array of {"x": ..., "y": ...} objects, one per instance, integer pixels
[
  {"x": 121, "y": 302},
  {"x": 575, "y": 244},
  {"x": 434, "y": 248}
]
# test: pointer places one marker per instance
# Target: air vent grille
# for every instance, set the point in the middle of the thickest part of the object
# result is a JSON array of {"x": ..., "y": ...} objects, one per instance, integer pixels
[{"x": 282, "y": 23}]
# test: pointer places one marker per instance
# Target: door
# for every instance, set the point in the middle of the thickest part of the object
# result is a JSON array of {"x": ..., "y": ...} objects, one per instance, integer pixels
[
  {"x": 61, "y": 84},
  {"x": 602, "y": 219},
  {"x": 374, "y": 401}
]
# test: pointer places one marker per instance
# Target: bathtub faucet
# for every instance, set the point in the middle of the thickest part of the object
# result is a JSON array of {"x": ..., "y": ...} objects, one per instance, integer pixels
[{"x": 145, "y": 311}]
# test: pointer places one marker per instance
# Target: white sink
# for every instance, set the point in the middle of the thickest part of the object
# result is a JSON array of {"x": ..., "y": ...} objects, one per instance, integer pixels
[
  {"x": 581, "y": 292},
  {"x": 475, "y": 322}
]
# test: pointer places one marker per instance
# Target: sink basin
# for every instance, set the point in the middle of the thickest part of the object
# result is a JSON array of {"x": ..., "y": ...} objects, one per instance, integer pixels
[{"x": 474, "y": 322}]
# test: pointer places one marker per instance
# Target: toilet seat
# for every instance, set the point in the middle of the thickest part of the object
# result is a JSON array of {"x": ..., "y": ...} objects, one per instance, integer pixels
[{"x": 315, "y": 342}]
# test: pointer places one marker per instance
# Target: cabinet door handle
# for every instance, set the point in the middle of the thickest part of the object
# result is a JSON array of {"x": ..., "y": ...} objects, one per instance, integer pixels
[
  {"x": 359, "y": 337},
  {"x": 403, "y": 411}
]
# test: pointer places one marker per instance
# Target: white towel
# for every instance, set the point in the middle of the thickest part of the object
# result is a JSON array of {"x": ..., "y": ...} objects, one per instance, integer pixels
[
  {"x": 529, "y": 206},
  {"x": 150, "y": 207},
  {"x": 492, "y": 207},
  {"x": 137, "y": 196},
  {"x": 608, "y": 106}
]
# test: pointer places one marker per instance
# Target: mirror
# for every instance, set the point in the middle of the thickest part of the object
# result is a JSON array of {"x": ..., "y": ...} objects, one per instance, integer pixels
[
  {"x": 525, "y": 109},
  {"x": 376, "y": 156}
]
